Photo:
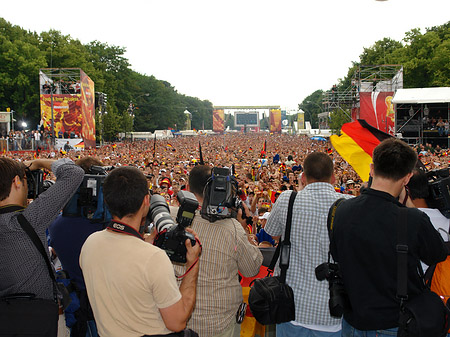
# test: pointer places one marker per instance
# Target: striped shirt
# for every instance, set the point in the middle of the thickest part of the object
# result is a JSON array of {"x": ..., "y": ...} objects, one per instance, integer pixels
[
  {"x": 309, "y": 248},
  {"x": 226, "y": 250}
]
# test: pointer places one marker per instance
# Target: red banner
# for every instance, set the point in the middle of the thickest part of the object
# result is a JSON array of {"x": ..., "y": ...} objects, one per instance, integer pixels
[
  {"x": 218, "y": 120},
  {"x": 376, "y": 108}
]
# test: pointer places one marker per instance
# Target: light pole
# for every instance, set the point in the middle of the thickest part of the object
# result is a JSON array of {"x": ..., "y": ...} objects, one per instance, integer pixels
[{"x": 131, "y": 108}]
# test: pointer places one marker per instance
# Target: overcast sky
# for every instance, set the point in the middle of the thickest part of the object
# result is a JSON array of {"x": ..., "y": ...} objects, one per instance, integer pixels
[{"x": 235, "y": 52}]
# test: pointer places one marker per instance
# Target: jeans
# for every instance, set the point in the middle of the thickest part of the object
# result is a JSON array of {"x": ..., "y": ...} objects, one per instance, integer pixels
[
  {"x": 291, "y": 330},
  {"x": 349, "y": 331}
]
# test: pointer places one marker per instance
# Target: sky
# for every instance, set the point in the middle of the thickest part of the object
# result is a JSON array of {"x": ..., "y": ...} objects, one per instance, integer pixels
[{"x": 235, "y": 52}]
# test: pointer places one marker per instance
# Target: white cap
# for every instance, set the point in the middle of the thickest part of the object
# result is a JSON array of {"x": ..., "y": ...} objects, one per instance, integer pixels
[{"x": 265, "y": 216}]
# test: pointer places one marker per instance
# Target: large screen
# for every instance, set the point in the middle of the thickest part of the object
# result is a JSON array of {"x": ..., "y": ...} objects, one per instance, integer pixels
[{"x": 246, "y": 118}]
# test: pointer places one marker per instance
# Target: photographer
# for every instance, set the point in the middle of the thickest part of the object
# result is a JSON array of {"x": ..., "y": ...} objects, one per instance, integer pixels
[
  {"x": 364, "y": 241},
  {"x": 226, "y": 250},
  {"x": 67, "y": 235},
  {"x": 309, "y": 247},
  {"x": 130, "y": 283},
  {"x": 23, "y": 269}
]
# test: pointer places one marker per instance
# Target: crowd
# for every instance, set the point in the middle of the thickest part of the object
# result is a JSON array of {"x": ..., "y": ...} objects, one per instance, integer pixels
[{"x": 265, "y": 166}]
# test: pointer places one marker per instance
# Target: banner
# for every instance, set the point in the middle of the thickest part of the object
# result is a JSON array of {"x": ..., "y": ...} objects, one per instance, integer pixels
[
  {"x": 377, "y": 109},
  {"x": 301, "y": 120},
  {"x": 218, "y": 120},
  {"x": 88, "y": 110},
  {"x": 275, "y": 120},
  {"x": 67, "y": 114}
]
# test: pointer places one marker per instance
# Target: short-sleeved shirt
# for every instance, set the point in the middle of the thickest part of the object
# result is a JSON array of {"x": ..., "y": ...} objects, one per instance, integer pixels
[
  {"x": 309, "y": 248},
  {"x": 127, "y": 280}
]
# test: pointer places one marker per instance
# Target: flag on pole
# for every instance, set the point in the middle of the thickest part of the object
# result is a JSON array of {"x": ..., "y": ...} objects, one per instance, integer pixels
[
  {"x": 356, "y": 145},
  {"x": 263, "y": 151},
  {"x": 154, "y": 146},
  {"x": 201, "y": 154}
]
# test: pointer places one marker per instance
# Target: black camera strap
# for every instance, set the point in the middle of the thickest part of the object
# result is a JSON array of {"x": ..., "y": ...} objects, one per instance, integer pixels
[
  {"x": 120, "y": 227},
  {"x": 402, "y": 257},
  {"x": 285, "y": 246}
]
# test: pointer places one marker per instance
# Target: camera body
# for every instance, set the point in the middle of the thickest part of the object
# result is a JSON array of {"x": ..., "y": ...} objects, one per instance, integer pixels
[
  {"x": 439, "y": 191},
  {"x": 220, "y": 199},
  {"x": 88, "y": 202},
  {"x": 339, "y": 301},
  {"x": 172, "y": 236}
]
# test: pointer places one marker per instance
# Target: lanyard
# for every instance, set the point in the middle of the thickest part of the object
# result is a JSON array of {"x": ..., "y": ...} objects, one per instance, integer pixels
[{"x": 120, "y": 227}]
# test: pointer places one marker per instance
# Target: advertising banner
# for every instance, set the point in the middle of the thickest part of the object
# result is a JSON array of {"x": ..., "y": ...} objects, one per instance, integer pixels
[
  {"x": 88, "y": 110},
  {"x": 301, "y": 120},
  {"x": 218, "y": 120},
  {"x": 275, "y": 120},
  {"x": 376, "y": 109},
  {"x": 67, "y": 114}
]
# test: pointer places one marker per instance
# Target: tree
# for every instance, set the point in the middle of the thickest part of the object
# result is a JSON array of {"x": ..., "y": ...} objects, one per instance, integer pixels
[
  {"x": 311, "y": 105},
  {"x": 338, "y": 118}
]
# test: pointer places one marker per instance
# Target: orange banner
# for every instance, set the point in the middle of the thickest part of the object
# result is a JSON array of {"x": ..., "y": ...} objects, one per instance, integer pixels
[
  {"x": 218, "y": 120},
  {"x": 275, "y": 120},
  {"x": 88, "y": 110}
]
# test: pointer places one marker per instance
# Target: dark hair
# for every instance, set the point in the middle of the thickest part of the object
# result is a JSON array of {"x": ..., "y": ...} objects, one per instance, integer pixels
[
  {"x": 124, "y": 191},
  {"x": 198, "y": 177},
  {"x": 393, "y": 159},
  {"x": 290, "y": 157},
  {"x": 418, "y": 185},
  {"x": 318, "y": 166},
  {"x": 87, "y": 162},
  {"x": 9, "y": 169}
]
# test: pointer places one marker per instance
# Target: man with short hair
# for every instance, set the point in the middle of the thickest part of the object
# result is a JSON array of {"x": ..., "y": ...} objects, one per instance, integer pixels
[
  {"x": 226, "y": 251},
  {"x": 130, "y": 283},
  {"x": 364, "y": 241},
  {"x": 22, "y": 268},
  {"x": 309, "y": 247}
]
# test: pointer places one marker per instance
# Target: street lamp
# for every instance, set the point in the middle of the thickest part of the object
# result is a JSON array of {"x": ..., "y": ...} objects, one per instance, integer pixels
[{"x": 131, "y": 106}]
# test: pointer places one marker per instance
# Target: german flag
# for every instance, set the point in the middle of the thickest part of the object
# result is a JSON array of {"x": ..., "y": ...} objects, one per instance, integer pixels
[
  {"x": 356, "y": 145},
  {"x": 263, "y": 151},
  {"x": 169, "y": 145}
]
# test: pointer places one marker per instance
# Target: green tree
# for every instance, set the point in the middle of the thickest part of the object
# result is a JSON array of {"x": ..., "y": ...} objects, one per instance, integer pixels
[
  {"x": 337, "y": 118},
  {"x": 312, "y": 106}
]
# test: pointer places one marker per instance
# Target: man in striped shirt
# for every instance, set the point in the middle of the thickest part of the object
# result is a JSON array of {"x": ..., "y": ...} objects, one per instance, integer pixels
[{"x": 226, "y": 250}]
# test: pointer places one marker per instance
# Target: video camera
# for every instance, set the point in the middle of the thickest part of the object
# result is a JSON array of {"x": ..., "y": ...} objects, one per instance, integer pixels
[
  {"x": 172, "y": 236},
  {"x": 36, "y": 183},
  {"x": 87, "y": 202},
  {"x": 220, "y": 199},
  {"x": 439, "y": 190}
]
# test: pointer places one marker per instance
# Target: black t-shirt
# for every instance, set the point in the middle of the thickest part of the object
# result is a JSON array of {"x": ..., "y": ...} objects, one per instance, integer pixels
[{"x": 364, "y": 243}]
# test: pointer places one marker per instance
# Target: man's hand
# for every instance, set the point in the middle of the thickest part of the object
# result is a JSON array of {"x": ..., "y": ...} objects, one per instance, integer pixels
[{"x": 193, "y": 252}]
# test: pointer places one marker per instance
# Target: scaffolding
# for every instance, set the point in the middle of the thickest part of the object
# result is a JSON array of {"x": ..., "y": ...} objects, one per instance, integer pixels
[{"x": 366, "y": 78}]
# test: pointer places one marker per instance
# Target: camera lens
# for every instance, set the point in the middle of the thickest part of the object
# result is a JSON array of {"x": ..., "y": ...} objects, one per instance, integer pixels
[{"x": 159, "y": 211}]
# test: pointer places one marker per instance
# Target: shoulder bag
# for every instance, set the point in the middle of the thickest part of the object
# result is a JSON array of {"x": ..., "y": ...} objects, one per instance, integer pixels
[
  {"x": 271, "y": 300},
  {"x": 423, "y": 315}
]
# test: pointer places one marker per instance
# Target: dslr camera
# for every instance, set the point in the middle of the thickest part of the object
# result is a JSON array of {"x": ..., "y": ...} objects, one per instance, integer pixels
[
  {"x": 339, "y": 301},
  {"x": 172, "y": 236},
  {"x": 36, "y": 183}
]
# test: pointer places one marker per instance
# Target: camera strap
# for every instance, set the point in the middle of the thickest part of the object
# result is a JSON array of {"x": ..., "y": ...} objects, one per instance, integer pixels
[
  {"x": 285, "y": 246},
  {"x": 123, "y": 228}
]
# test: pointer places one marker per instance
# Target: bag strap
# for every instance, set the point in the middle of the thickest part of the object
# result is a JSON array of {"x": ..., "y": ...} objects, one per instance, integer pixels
[
  {"x": 26, "y": 226},
  {"x": 284, "y": 247},
  {"x": 402, "y": 257}
]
